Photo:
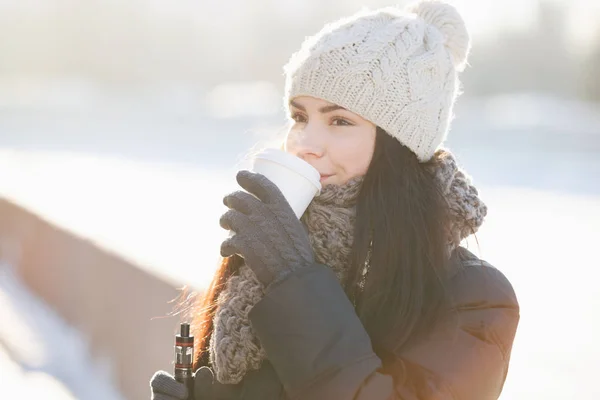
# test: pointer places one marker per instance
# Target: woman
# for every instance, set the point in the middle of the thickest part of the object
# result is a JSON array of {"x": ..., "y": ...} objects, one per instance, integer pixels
[{"x": 369, "y": 296}]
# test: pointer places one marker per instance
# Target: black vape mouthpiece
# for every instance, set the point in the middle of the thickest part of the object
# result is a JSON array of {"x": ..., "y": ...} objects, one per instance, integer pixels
[{"x": 185, "y": 330}]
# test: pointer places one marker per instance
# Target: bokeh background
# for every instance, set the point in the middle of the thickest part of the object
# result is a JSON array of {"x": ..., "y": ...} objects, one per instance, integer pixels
[{"x": 122, "y": 123}]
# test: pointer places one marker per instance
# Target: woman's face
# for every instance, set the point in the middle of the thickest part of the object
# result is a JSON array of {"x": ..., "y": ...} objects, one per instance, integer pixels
[{"x": 337, "y": 142}]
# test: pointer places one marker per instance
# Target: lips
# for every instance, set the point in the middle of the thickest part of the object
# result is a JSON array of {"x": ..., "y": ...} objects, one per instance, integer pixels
[{"x": 323, "y": 176}]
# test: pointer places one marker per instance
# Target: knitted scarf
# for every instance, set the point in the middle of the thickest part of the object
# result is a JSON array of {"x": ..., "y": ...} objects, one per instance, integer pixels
[{"x": 234, "y": 348}]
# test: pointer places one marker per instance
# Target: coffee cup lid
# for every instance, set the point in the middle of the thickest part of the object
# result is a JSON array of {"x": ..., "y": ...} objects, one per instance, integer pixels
[{"x": 282, "y": 157}]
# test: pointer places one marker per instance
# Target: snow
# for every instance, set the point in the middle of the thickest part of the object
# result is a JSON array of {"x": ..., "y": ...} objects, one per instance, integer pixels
[
  {"x": 541, "y": 186},
  {"x": 41, "y": 357}
]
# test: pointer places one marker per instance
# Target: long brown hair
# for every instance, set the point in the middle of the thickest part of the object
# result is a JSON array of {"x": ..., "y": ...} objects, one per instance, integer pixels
[
  {"x": 400, "y": 225},
  {"x": 402, "y": 214}
]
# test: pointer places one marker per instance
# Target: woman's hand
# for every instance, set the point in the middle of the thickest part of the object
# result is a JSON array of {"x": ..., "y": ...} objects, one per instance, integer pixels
[
  {"x": 206, "y": 387},
  {"x": 268, "y": 235},
  {"x": 164, "y": 387}
]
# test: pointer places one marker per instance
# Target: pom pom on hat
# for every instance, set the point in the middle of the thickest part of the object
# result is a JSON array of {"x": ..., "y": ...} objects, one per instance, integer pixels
[{"x": 448, "y": 21}]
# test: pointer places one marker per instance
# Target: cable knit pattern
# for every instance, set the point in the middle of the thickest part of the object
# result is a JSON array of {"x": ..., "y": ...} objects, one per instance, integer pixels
[
  {"x": 330, "y": 218},
  {"x": 234, "y": 348},
  {"x": 396, "y": 68},
  {"x": 466, "y": 208}
]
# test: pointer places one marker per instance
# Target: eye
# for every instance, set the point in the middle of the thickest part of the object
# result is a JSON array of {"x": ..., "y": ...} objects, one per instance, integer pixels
[
  {"x": 299, "y": 118},
  {"x": 341, "y": 122}
]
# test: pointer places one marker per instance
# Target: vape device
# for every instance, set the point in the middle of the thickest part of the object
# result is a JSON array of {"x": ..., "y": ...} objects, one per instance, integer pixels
[{"x": 184, "y": 357}]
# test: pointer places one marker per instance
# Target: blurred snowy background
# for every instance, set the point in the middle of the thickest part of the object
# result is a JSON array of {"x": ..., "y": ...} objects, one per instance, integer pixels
[{"x": 123, "y": 122}]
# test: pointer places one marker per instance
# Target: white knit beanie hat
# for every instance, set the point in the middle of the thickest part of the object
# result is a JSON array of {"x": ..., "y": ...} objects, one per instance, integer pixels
[{"x": 397, "y": 69}]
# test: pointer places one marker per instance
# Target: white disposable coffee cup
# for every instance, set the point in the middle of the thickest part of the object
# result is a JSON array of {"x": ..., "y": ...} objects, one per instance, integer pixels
[{"x": 299, "y": 181}]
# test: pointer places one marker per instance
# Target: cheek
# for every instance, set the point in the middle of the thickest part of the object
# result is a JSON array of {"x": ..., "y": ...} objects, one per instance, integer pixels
[
  {"x": 355, "y": 155},
  {"x": 361, "y": 160}
]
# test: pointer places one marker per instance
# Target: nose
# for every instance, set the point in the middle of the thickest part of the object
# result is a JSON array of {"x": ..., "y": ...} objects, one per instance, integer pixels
[{"x": 307, "y": 144}]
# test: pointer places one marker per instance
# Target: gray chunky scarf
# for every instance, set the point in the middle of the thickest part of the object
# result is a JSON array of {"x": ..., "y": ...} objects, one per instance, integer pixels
[{"x": 234, "y": 348}]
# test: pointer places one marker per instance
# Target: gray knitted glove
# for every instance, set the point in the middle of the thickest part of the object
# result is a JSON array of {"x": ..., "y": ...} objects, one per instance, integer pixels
[
  {"x": 164, "y": 387},
  {"x": 268, "y": 235}
]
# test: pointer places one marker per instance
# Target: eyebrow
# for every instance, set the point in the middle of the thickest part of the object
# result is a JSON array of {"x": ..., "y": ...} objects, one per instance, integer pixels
[{"x": 322, "y": 110}]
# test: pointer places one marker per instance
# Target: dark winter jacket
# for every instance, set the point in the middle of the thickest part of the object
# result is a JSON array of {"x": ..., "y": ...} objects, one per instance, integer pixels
[{"x": 318, "y": 349}]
